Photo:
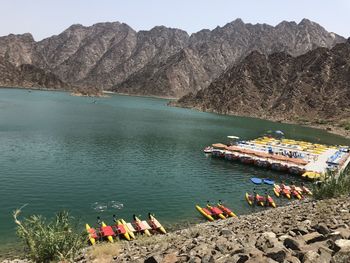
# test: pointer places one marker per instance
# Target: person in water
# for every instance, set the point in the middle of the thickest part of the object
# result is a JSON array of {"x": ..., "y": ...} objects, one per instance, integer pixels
[
  {"x": 292, "y": 186},
  {"x": 255, "y": 201},
  {"x": 115, "y": 220},
  {"x": 208, "y": 203},
  {"x": 267, "y": 199},
  {"x": 99, "y": 221},
  {"x": 282, "y": 186}
]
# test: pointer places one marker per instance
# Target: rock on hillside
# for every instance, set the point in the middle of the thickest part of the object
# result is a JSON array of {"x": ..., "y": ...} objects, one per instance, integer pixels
[
  {"x": 209, "y": 53},
  {"x": 79, "y": 50},
  {"x": 29, "y": 76},
  {"x": 315, "y": 86},
  {"x": 17, "y": 49},
  {"x": 146, "y": 48}
]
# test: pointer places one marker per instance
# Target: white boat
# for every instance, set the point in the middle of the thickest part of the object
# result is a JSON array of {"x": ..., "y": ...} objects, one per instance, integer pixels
[{"x": 208, "y": 149}]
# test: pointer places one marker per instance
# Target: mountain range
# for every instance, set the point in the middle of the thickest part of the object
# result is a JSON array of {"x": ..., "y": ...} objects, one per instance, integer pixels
[
  {"x": 314, "y": 86},
  {"x": 159, "y": 62}
]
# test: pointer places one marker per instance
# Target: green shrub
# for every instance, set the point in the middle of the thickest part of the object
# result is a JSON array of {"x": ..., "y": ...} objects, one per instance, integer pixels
[
  {"x": 302, "y": 119},
  {"x": 345, "y": 124},
  {"x": 333, "y": 186},
  {"x": 55, "y": 240},
  {"x": 321, "y": 121}
]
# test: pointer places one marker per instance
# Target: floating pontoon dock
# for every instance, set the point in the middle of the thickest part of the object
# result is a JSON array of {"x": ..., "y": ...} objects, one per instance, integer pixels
[{"x": 309, "y": 160}]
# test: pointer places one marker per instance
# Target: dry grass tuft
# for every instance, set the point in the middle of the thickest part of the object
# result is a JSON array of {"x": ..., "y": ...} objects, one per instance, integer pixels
[{"x": 103, "y": 253}]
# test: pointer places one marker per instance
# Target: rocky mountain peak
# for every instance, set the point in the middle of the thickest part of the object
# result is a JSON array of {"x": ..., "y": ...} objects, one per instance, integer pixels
[
  {"x": 24, "y": 37},
  {"x": 165, "y": 31},
  {"x": 108, "y": 24},
  {"x": 285, "y": 23},
  {"x": 306, "y": 22},
  {"x": 237, "y": 22},
  {"x": 17, "y": 49},
  {"x": 235, "y": 25},
  {"x": 75, "y": 27}
]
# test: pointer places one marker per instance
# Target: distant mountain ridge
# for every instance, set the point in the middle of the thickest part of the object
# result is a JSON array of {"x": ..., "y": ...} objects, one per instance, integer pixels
[
  {"x": 314, "y": 86},
  {"x": 160, "y": 62},
  {"x": 209, "y": 53}
]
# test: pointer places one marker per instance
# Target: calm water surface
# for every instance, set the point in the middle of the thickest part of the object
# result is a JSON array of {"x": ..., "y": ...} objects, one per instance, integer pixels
[{"x": 63, "y": 152}]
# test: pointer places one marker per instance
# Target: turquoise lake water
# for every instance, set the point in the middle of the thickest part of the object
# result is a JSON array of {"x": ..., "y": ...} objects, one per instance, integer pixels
[{"x": 124, "y": 155}]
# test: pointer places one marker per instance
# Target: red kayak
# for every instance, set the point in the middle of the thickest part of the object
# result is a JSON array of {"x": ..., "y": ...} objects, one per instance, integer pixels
[
  {"x": 271, "y": 201},
  {"x": 216, "y": 211},
  {"x": 294, "y": 192},
  {"x": 227, "y": 211},
  {"x": 260, "y": 200},
  {"x": 107, "y": 232},
  {"x": 279, "y": 191},
  {"x": 303, "y": 190}
]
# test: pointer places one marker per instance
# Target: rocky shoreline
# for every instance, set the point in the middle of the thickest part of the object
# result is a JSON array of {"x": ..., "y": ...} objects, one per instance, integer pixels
[
  {"x": 331, "y": 127},
  {"x": 308, "y": 231}
]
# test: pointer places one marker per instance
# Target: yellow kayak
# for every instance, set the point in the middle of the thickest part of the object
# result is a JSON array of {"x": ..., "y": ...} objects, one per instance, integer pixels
[
  {"x": 143, "y": 226},
  {"x": 247, "y": 197},
  {"x": 205, "y": 213},
  {"x": 296, "y": 194},
  {"x": 156, "y": 225},
  {"x": 226, "y": 210},
  {"x": 303, "y": 190},
  {"x": 109, "y": 237},
  {"x": 284, "y": 191},
  {"x": 123, "y": 230},
  {"x": 260, "y": 200},
  {"x": 129, "y": 228},
  {"x": 271, "y": 201},
  {"x": 92, "y": 234}
]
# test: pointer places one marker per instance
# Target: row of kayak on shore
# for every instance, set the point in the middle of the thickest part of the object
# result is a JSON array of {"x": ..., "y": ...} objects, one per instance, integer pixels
[
  {"x": 221, "y": 211},
  {"x": 124, "y": 230},
  {"x": 279, "y": 190},
  {"x": 128, "y": 231},
  {"x": 215, "y": 212},
  {"x": 260, "y": 200},
  {"x": 291, "y": 191}
]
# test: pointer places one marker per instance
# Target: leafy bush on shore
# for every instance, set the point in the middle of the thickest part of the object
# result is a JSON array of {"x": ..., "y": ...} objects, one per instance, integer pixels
[
  {"x": 333, "y": 186},
  {"x": 345, "y": 124},
  {"x": 55, "y": 240}
]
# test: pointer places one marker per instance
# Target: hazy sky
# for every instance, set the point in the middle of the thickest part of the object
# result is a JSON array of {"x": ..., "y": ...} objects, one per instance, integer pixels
[{"x": 44, "y": 18}]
